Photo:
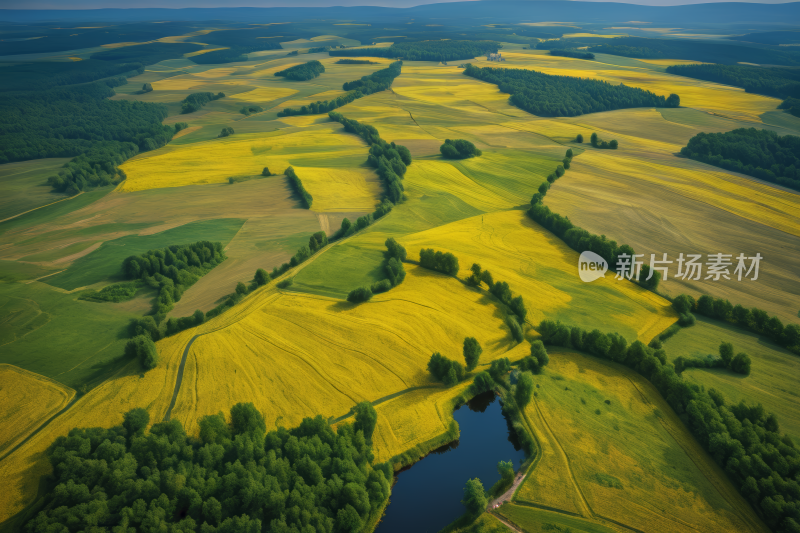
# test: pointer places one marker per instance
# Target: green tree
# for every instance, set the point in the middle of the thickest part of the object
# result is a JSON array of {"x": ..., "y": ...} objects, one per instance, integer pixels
[
  {"x": 683, "y": 303},
  {"x": 213, "y": 429},
  {"x": 245, "y": 418},
  {"x": 524, "y": 389},
  {"x": 472, "y": 352},
  {"x": 359, "y": 295},
  {"x": 726, "y": 353},
  {"x": 613, "y": 144},
  {"x": 579, "y": 138},
  {"x": 741, "y": 364},
  {"x": 261, "y": 277},
  {"x": 241, "y": 288},
  {"x": 135, "y": 421},
  {"x": 673, "y": 100},
  {"x": 266, "y": 172},
  {"x": 366, "y": 419},
  {"x": 199, "y": 317},
  {"x": 474, "y": 496},
  {"x": 593, "y": 139}
]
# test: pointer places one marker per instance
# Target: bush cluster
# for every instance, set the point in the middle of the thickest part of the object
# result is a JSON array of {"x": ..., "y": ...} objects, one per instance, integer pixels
[
  {"x": 740, "y": 363},
  {"x": 444, "y": 262},
  {"x": 458, "y": 149},
  {"x": 144, "y": 349},
  {"x": 304, "y": 72},
  {"x": 196, "y": 101},
  {"x": 235, "y": 478}
]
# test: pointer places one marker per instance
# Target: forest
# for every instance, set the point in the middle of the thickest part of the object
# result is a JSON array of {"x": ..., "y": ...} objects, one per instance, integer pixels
[
  {"x": 304, "y": 72},
  {"x": 779, "y": 82},
  {"x": 577, "y": 54},
  {"x": 196, "y": 101},
  {"x": 42, "y": 124},
  {"x": 762, "y": 154},
  {"x": 696, "y": 50},
  {"x": 235, "y": 477},
  {"x": 40, "y": 76},
  {"x": 425, "y": 50},
  {"x": 563, "y": 96}
]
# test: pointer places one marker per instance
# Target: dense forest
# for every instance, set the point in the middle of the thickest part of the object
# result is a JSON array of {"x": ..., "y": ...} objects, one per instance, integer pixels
[
  {"x": 304, "y": 72},
  {"x": 40, "y": 76},
  {"x": 706, "y": 51},
  {"x": 389, "y": 159},
  {"x": 577, "y": 54},
  {"x": 425, "y": 50},
  {"x": 235, "y": 477},
  {"x": 779, "y": 82},
  {"x": 147, "y": 54},
  {"x": 759, "y": 153},
  {"x": 41, "y": 124},
  {"x": 563, "y": 96}
]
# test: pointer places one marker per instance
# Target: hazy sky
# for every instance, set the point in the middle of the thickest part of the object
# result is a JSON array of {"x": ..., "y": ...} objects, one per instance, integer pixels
[{"x": 127, "y": 4}]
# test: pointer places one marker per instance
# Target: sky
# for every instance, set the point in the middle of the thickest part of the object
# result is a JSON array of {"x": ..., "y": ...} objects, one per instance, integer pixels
[{"x": 176, "y": 4}]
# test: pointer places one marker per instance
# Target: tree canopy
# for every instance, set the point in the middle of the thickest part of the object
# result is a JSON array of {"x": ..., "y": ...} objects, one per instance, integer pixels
[
  {"x": 235, "y": 478},
  {"x": 563, "y": 96},
  {"x": 304, "y": 72},
  {"x": 458, "y": 149},
  {"x": 760, "y": 153}
]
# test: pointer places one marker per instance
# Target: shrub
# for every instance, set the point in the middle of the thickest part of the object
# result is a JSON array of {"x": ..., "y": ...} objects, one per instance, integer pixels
[
  {"x": 579, "y": 138},
  {"x": 359, "y": 295},
  {"x": 458, "y": 149},
  {"x": 261, "y": 277},
  {"x": 381, "y": 286},
  {"x": 266, "y": 172},
  {"x": 143, "y": 348}
]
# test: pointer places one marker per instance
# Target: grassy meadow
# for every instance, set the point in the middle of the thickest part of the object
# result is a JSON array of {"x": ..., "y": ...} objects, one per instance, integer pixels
[
  {"x": 622, "y": 443},
  {"x": 772, "y": 377}
]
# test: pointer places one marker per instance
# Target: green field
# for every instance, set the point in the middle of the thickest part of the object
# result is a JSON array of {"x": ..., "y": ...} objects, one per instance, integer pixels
[
  {"x": 104, "y": 264},
  {"x": 533, "y": 520},
  {"x": 773, "y": 376},
  {"x": 24, "y": 186}
]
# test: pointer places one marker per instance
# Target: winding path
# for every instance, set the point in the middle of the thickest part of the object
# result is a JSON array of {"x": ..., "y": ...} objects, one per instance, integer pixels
[
  {"x": 179, "y": 380},
  {"x": 41, "y": 427}
]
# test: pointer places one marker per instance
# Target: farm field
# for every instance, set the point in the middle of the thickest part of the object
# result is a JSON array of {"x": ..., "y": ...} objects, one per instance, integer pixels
[
  {"x": 303, "y": 350},
  {"x": 28, "y": 400},
  {"x": 771, "y": 381},
  {"x": 633, "y": 447}
]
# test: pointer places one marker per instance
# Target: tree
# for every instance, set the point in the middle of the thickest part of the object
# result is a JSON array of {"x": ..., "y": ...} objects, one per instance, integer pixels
[
  {"x": 317, "y": 241},
  {"x": 539, "y": 352},
  {"x": 594, "y": 139},
  {"x": 673, "y": 100},
  {"x": 579, "y": 138},
  {"x": 474, "y": 496},
  {"x": 395, "y": 249},
  {"x": 261, "y": 277},
  {"x": 726, "y": 353},
  {"x": 135, "y": 421},
  {"x": 524, "y": 390},
  {"x": 359, "y": 295},
  {"x": 266, "y": 172},
  {"x": 613, "y": 144},
  {"x": 472, "y": 352},
  {"x": 683, "y": 303},
  {"x": 241, "y": 288},
  {"x": 366, "y": 419},
  {"x": 199, "y": 317},
  {"x": 506, "y": 471},
  {"x": 499, "y": 368},
  {"x": 458, "y": 149},
  {"x": 569, "y": 151},
  {"x": 245, "y": 418},
  {"x": 147, "y": 87},
  {"x": 741, "y": 364},
  {"x": 143, "y": 348}
]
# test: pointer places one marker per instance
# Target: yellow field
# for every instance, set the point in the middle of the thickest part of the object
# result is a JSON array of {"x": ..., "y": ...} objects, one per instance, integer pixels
[
  {"x": 286, "y": 344},
  {"x": 240, "y": 154},
  {"x": 103, "y": 407},
  {"x": 264, "y": 94},
  {"x": 541, "y": 268},
  {"x": 28, "y": 400},
  {"x": 636, "y": 440},
  {"x": 341, "y": 189}
]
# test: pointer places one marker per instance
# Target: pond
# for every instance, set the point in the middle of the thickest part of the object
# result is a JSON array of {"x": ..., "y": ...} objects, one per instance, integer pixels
[{"x": 427, "y": 496}]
